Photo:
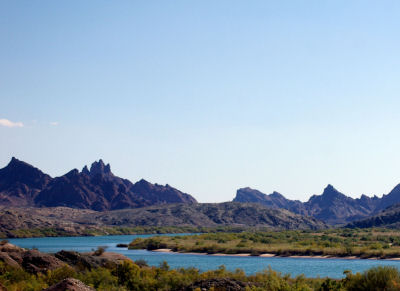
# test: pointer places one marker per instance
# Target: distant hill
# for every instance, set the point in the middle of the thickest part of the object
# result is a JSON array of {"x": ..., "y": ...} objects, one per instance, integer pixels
[
  {"x": 98, "y": 188},
  {"x": 274, "y": 200},
  {"x": 389, "y": 217},
  {"x": 331, "y": 206},
  {"x": 75, "y": 221},
  {"x": 210, "y": 214}
]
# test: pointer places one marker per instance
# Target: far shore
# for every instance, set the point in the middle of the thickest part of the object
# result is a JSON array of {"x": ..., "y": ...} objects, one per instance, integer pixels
[{"x": 270, "y": 255}]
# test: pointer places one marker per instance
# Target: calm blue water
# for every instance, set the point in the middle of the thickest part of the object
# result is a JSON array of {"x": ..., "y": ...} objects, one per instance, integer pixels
[{"x": 295, "y": 266}]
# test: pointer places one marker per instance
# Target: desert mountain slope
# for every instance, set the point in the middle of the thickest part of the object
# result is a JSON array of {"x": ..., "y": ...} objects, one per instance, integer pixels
[
  {"x": 331, "y": 206},
  {"x": 98, "y": 188}
]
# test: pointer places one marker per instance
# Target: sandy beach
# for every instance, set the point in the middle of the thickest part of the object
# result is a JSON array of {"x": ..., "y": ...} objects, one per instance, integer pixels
[{"x": 270, "y": 255}]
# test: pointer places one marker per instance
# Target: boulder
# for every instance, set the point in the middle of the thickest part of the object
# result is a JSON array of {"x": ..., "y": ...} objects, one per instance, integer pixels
[
  {"x": 225, "y": 284},
  {"x": 70, "y": 284},
  {"x": 90, "y": 260},
  {"x": 34, "y": 261},
  {"x": 8, "y": 260}
]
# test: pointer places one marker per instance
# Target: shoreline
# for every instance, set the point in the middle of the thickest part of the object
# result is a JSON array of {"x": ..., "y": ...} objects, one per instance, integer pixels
[{"x": 270, "y": 255}]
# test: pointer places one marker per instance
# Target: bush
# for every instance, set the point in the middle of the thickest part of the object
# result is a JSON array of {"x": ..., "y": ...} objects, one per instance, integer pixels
[
  {"x": 57, "y": 275},
  {"x": 141, "y": 263},
  {"x": 376, "y": 279}
]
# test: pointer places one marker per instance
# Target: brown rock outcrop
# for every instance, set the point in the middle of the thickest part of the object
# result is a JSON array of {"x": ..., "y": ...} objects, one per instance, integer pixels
[
  {"x": 34, "y": 261},
  {"x": 70, "y": 284},
  {"x": 89, "y": 260},
  {"x": 225, "y": 284}
]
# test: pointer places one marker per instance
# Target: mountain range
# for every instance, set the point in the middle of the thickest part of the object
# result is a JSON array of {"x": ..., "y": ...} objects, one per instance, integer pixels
[
  {"x": 99, "y": 189},
  {"x": 332, "y": 206}
]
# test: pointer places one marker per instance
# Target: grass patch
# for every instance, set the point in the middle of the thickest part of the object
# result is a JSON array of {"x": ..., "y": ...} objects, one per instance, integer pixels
[{"x": 363, "y": 243}]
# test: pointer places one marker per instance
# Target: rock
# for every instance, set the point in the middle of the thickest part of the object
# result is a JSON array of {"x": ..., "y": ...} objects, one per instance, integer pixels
[
  {"x": 34, "y": 261},
  {"x": 11, "y": 254},
  {"x": 8, "y": 260},
  {"x": 70, "y": 284},
  {"x": 75, "y": 259},
  {"x": 10, "y": 248},
  {"x": 225, "y": 284},
  {"x": 89, "y": 260}
]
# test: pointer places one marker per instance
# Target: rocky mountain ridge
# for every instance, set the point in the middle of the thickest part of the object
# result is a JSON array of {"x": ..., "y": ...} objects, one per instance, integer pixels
[
  {"x": 331, "y": 206},
  {"x": 98, "y": 188}
]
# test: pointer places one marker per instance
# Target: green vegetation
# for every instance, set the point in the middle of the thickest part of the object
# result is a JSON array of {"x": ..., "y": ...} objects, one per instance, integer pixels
[
  {"x": 139, "y": 276},
  {"x": 117, "y": 230},
  {"x": 364, "y": 243}
]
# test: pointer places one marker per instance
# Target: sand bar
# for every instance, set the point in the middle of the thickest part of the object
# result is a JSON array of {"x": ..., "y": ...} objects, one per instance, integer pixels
[{"x": 270, "y": 255}]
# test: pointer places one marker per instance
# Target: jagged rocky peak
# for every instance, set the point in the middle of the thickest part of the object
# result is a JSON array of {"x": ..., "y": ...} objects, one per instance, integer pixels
[
  {"x": 331, "y": 191},
  {"x": 97, "y": 168},
  {"x": 15, "y": 163},
  {"x": 247, "y": 191},
  {"x": 276, "y": 194},
  {"x": 14, "y": 160},
  {"x": 248, "y": 194},
  {"x": 17, "y": 170},
  {"x": 143, "y": 182},
  {"x": 85, "y": 170},
  {"x": 95, "y": 188},
  {"x": 20, "y": 182},
  {"x": 72, "y": 173}
]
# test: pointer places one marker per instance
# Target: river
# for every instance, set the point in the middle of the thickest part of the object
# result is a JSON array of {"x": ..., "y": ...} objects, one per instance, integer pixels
[{"x": 310, "y": 267}]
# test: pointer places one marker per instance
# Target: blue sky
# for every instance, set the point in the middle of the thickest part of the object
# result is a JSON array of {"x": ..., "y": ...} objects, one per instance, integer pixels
[{"x": 207, "y": 96}]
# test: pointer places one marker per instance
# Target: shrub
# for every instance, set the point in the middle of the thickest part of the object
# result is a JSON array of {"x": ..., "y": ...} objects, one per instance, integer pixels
[
  {"x": 382, "y": 278},
  {"x": 141, "y": 263},
  {"x": 57, "y": 275}
]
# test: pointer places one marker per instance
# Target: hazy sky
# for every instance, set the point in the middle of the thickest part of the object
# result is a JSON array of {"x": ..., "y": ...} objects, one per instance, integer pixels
[{"x": 207, "y": 96}]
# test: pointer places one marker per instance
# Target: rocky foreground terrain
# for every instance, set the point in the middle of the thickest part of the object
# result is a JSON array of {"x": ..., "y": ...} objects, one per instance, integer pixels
[{"x": 36, "y": 262}]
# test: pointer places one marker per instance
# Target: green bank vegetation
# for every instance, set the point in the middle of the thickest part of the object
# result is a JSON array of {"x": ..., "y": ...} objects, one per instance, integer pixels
[
  {"x": 112, "y": 230},
  {"x": 138, "y": 276},
  {"x": 363, "y": 243}
]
